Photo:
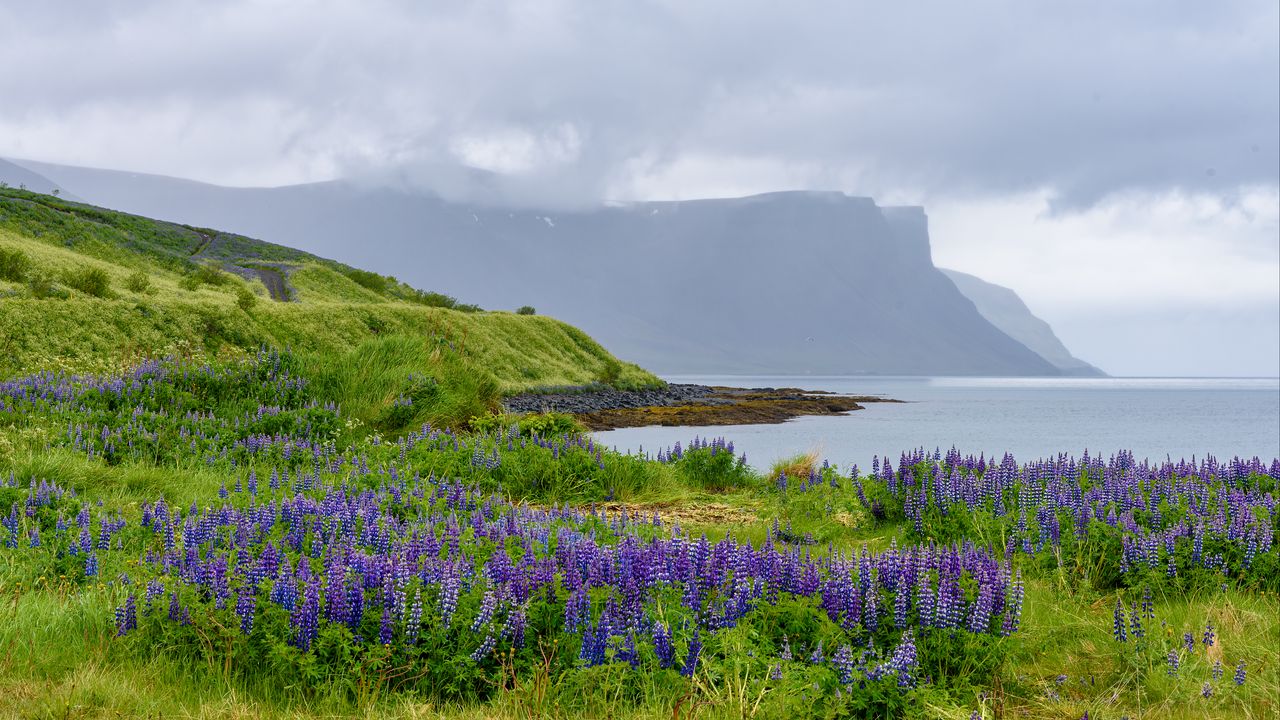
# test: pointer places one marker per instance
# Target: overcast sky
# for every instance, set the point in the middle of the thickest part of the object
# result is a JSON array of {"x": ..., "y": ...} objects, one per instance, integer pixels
[{"x": 1118, "y": 164}]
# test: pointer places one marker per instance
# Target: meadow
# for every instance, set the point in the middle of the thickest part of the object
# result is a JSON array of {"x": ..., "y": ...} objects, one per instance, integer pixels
[
  {"x": 223, "y": 500},
  {"x": 217, "y": 539}
]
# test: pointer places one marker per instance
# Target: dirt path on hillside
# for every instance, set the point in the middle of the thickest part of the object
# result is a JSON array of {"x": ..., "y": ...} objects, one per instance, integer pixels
[{"x": 273, "y": 278}]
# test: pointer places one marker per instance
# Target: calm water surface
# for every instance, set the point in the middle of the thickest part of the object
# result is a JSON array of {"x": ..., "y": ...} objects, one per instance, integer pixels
[{"x": 1030, "y": 417}]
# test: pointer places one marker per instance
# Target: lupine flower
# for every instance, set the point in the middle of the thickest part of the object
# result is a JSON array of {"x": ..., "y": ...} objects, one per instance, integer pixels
[
  {"x": 691, "y": 659},
  {"x": 127, "y": 616},
  {"x": 843, "y": 662},
  {"x": 817, "y": 656},
  {"x": 1118, "y": 627},
  {"x": 1208, "y": 635},
  {"x": 1240, "y": 673},
  {"x": 1206, "y": 690},
  {"x": 662, "y": 645},
  {"x": 1172, "y": 658}
]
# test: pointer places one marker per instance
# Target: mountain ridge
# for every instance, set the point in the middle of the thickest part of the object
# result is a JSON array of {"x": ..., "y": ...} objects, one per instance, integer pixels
[{"x": 791, "y": 282}]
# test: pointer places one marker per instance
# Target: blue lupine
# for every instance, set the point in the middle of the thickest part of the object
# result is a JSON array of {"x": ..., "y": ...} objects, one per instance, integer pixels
[{"x": 691, "y": 659}]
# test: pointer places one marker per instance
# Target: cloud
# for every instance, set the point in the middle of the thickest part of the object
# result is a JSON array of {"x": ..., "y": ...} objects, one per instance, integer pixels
[
  {"x": 1140, "y": 283},
  {"x": 990, "y": 97},
  {"x": 1087, "y": 154}
]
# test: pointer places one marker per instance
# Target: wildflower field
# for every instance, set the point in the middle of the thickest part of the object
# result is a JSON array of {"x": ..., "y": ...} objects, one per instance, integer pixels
[{"x": 221, "y": 539}]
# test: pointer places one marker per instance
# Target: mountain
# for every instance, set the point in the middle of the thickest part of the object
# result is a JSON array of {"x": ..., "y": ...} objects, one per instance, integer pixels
[
  {"x": 1008, "y": 312},
  {"x": 16, "y": 176},
  {"x": 787, "y": 283}
]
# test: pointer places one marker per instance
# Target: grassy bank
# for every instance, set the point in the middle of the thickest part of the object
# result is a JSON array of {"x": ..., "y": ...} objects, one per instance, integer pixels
[{"x": 90, "y": 290}]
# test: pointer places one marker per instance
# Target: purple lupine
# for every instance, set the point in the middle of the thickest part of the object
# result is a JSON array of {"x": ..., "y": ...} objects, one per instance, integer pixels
[
  {"x": 1173, "y": 662},
  {"x": 485, "y": 648},
  {"x": 246, "y": 603},
  {"x": 1189, "y": 641},
  {"x": 662, "y": 645},
  {"x": 127, "y": 616},
  {"x": 1240, "y": 673},
  {"x": 306, "y": 616},
  {"x": 817, "y": 656},
  {"x": 1118, "y": 625},
  {"x": 904, "y": 661},
  {"x": 691, "y": 659},
  {"x": 1208, "y": 635},
  {"x": 414, "y": 622},
  {"x": 843, "y": 662},
  {"x": 488, "y": 604}
]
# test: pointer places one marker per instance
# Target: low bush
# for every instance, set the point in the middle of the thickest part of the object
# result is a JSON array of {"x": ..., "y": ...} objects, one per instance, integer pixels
[
  {"x": 90, "y": 281},
  {"x": 245, "y": 299},
  {"x": 14, "y": 265},
  {"x": 138, "y": 282},
  {"x": 369, "y": 280}
]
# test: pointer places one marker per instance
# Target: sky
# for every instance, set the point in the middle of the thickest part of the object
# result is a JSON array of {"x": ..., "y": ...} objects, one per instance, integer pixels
[{"x": 1118, "y": 164}]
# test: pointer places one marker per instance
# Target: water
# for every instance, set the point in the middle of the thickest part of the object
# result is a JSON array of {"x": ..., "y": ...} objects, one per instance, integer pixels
[{"x": 1030, "y": 417}]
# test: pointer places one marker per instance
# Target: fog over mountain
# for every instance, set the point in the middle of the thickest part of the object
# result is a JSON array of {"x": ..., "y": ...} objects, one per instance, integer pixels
[
  {"x": 1004, "y": 309},
  {"x": 788, "y": 282}
]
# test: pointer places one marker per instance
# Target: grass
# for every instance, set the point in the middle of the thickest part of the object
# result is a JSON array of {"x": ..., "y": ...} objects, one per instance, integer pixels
[
  {"x": 107, "y": 289},
  {"x": 392, "y": 362}
]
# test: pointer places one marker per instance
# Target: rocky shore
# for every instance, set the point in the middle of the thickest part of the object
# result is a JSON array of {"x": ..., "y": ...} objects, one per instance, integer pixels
[{"x": 684, "y": 404}]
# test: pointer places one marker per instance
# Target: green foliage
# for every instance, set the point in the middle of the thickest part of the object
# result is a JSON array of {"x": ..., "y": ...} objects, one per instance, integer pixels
[
  {"x": 610, "y": 373},
  {"x": 245, "y": 299},
  {"x": 370, "y": 280},
  {"x": 715, "y": 469},
  {"x": 210, "y": 274},
  {"x": 440, "y": 300},
  {"x": 42, "y": 286},
  {"x": 138, "y": 282},
  {"x": 526, "y": 310},
  {"x": 546, "y": 425},
  {"x": 14, "y": 265},
  {"x": 90, "y": 281}
]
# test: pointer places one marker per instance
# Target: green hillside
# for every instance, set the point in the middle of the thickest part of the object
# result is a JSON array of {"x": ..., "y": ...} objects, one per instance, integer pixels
[{"x": 85, "y": 289}]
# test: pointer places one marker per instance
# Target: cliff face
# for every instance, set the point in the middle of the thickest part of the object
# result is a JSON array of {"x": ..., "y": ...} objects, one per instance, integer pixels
[
  {"x": 793, "y": 282},
  {"x": 1008, "y": 312}
]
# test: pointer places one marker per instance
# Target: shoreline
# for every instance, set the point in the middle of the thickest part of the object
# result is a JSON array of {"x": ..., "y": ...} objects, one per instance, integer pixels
[{"x": 689, "y": 404}]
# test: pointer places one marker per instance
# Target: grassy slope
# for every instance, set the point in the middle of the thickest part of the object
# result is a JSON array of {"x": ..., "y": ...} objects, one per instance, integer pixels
[{"x": 365, "y": 341}]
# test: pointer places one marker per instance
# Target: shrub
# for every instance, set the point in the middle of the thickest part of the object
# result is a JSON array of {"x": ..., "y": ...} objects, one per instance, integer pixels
[
  {"x": 42, "y": 286},
  {"x": 245, "y": 298},
  {"x": 435, "y": 299},
  {"x": 526, "y": 310},
  {"x": 90, "y": 281},
  {"x": 14, "y": 265},
  {"x": 610, "y": 373},
  {"x": 211, "y": 275},
  {"x": 371, "y": 280},
  {"x": 544, "y": 425},
  {"x": 138, "y": 282},
  {"x": 189, "y": 282}
]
